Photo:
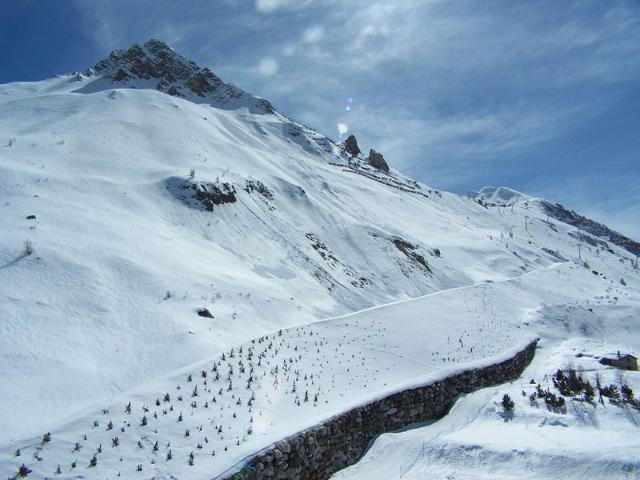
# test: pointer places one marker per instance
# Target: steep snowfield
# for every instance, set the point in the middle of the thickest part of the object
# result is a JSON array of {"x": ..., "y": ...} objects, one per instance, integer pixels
[{"x": 103, "y": 311}]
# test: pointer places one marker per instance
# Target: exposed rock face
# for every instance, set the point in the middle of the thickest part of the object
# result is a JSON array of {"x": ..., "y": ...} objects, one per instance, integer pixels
[
  {"x": 319, "y": 452},
  {"x": 377, "y": 160},
  {"x": 351, "y": 146},
  {"x": 199, "y": 194},
  {"x": 211, "y": 194},
  {"x": 409, "y": 250},
  {"x": 175, "y": 75},
  {"x": 257, "y": 186}
]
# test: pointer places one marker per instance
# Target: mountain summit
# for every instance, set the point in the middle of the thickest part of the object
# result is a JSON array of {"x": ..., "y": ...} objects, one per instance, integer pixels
[{"x": 156, "y": 65}]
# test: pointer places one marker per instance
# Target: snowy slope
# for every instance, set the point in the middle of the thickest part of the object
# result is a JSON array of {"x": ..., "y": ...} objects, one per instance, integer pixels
[
  {"x": 582, "y": 440},
  {"x": 276, "y": 229},
  {"x": 501, "y": 195}
]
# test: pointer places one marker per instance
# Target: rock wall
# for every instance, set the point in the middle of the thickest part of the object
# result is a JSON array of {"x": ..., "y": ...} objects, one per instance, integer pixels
[{"x": 317, "y": 453}]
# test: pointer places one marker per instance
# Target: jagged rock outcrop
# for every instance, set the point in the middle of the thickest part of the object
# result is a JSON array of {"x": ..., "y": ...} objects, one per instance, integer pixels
[
  {"x": 410, "y": 252},
  {"x": 199, "y": 194},
  {"x": 351, "y": 146},
  {"x": 377, "y": 160},
  {"x": 156, "y": 65}
]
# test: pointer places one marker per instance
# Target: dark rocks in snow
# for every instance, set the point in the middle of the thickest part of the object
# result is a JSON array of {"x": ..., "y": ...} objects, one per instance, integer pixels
[
  {"x": 351, "y": 146},
  {"x": 376, "y": 160},
  {"x": 199, "y": 194},
  {"x": 257, "y": 186},
  {"x": 409, "y": 250},
  {"x": 210, "y": 194},
  {"x": 204, "y": 312},
  {"x": 265, "y": 105},
  {"x": 31, "y": 217}
]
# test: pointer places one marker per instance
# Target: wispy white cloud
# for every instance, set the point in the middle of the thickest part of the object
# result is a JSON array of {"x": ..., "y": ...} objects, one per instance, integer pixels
[{"x": 268, "y": 6}]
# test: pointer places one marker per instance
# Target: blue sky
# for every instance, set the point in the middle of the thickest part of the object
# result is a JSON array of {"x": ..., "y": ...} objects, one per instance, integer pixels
[{"x": 542, "y": 96}]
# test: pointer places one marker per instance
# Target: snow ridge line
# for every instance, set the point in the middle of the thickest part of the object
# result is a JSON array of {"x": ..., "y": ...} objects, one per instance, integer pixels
[{"x": 340, "y": 441}]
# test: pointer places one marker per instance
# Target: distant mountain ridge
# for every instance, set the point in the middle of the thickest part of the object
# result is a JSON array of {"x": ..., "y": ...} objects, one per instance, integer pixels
[
  {"x": 597, "y": 229},
  {"x": 504, "y": 196}
]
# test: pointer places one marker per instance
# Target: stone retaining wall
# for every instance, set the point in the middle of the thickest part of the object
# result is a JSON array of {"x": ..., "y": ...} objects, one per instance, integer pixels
[{"x": 317, "y": 453}]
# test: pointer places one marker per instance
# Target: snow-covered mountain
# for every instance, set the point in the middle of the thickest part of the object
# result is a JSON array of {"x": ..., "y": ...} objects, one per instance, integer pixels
[
  {"x": 154, "y": 217},
  {"x": 499, "y": 195}
]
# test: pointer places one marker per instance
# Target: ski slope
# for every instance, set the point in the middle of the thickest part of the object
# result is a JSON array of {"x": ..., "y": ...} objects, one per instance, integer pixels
[
  {"x": 330, "y": 366},
  {"x": 476, "y": 440}
]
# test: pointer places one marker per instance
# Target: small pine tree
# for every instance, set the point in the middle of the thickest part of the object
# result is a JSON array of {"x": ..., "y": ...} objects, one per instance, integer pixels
[
  {"x": 611, "y": 392},
  {"x": 627, "y": 393},
  {"x": 507, "y": 403},
  {"x": 23, "y": 471},
  {"x": 589, "y": 392}
]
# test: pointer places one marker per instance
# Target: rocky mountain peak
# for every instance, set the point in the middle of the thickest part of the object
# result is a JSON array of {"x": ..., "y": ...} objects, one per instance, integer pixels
[
  {"x": 376, "y": 160},
  {"x": 154, "y": 64},
  {"x": 351, "y": 146}
]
